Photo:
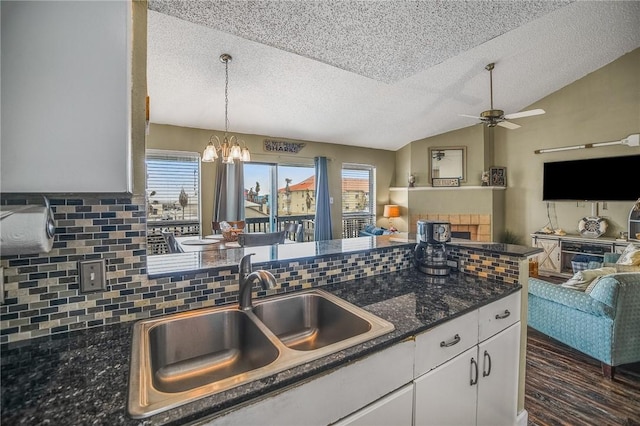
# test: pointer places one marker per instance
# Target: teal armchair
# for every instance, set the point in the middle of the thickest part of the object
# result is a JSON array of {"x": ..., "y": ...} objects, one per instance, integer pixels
[{"x": 603, "y": 323}]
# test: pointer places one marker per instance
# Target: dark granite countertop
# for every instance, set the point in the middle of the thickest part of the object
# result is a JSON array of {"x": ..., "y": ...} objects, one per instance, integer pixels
[
  {"x": 82, "y": 377},
  {"x": 193, "y": 262}
]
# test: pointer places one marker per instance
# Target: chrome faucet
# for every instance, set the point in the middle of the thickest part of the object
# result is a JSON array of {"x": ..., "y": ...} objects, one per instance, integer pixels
[{"x": 265, "y": 278}]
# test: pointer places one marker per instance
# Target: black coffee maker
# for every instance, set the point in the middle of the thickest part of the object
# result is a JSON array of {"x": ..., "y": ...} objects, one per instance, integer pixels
[{"x": 430, "y": 254}]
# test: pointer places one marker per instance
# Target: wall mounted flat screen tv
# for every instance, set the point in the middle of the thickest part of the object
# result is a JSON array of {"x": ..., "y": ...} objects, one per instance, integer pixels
[{"x": 594, "y": 179}]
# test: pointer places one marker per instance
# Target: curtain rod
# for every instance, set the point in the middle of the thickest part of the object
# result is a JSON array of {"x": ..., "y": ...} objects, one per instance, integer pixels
[{"x": 631, "y": 140}]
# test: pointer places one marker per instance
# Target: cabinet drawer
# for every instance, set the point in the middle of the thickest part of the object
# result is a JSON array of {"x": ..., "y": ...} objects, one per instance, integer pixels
[
  {"x": 445, "y": 341},
  {"x": 499, "y": 315}
]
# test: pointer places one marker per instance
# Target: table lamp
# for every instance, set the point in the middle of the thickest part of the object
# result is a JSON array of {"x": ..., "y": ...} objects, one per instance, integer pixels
[{"x": 391, "y": 211}]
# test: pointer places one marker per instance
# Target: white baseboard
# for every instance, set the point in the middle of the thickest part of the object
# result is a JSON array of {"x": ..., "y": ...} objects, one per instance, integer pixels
[{"x": 523, "y": 418}]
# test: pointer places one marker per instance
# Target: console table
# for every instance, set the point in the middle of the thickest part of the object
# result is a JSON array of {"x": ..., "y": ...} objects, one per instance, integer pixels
[{"x": 558, "y": 251}]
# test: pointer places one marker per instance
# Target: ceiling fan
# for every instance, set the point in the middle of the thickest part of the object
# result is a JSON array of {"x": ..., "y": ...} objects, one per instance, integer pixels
[{"x": 497, "y": 117}]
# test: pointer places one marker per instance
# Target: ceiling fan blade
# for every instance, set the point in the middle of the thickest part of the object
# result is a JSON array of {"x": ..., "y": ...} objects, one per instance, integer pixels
[
  {"x": 524, "y": 114},
  {"x": 508, "y": 125},
  {"x": 469, "y": 116}
]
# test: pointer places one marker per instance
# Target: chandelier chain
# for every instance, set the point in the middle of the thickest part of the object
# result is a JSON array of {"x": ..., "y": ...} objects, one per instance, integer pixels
[{"x": 226, "y": 98}]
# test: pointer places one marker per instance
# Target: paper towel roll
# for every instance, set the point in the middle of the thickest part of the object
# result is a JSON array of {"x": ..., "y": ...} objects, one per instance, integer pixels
[{"x": 23, "y": 230}]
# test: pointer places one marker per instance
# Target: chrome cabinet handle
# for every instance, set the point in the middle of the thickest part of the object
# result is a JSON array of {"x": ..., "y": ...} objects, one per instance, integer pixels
[
  {"x": 456, "y": 339},
  {"x": 503, "y": 316},
  {"x": 474, "y": 372},
  {"x": 485, "y": 357}
]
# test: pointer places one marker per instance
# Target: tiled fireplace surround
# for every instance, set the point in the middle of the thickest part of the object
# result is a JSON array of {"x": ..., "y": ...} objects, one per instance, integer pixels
[
  {"x": 42, "y": 291},
  {"x": 478, "y": 225}
]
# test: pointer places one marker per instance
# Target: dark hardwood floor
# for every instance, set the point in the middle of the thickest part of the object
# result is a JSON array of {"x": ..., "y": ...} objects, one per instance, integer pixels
[{"x": 565, "y": 387}]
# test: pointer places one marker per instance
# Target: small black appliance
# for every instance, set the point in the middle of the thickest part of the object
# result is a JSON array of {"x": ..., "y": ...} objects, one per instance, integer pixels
[{"x": 430, "y": 254}]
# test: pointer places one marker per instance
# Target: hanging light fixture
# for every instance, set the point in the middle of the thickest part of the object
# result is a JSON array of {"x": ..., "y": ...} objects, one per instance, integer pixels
[{"x": 229, "y": 147}]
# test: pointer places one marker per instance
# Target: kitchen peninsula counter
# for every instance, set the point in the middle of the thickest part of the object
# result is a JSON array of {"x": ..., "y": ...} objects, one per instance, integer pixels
[
  {"x": 82, "y": 377},
  {"x": 199, "y": 261}
]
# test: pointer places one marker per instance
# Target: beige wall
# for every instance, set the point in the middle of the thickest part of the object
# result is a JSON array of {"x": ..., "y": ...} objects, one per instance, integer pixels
[
  {"x": 189, "y": 139},
  {"x": 602, "y": 106}
]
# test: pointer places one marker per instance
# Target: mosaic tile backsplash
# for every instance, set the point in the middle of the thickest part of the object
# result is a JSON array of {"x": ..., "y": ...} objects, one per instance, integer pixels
[{"x": 42, "y": 291}]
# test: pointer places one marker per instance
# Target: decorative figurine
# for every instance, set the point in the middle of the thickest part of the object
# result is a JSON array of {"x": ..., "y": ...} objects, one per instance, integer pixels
[
  {"x": 412, "y": 181},
  {"x": 485, "y": 178}
]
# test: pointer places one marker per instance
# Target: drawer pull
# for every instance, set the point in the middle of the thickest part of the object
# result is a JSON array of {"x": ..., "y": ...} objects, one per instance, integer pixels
[
  {"x": 503, "y": 316},
  {"x": 456, "y": 339}
]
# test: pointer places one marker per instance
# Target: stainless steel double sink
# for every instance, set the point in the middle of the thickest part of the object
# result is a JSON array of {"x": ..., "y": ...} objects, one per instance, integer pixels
[{"x": 183, "y": 357}]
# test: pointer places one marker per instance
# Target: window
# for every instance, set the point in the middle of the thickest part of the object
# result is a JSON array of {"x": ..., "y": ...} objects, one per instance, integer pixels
[
  {"x": 296, "y": 191},
  {"x": 358, "y": 198},
  {"x": 173, "y": 195}
]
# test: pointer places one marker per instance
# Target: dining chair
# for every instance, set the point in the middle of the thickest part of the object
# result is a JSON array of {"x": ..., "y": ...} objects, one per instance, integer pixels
[
  {"x": 250, "y": 239},
  {"x": 172, "y": 244},
  {"x": 293, "y": 231}
]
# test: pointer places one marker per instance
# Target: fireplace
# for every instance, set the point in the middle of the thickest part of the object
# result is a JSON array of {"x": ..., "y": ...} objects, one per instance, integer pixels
[{"x": 475, "y": 227}]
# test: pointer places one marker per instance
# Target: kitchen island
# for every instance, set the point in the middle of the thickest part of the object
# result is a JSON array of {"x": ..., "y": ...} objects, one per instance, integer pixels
[{"x": 82, "y": 377}]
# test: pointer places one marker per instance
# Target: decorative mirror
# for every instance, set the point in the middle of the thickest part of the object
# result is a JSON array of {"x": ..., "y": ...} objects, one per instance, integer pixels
[{"x": 448, "y": 162}]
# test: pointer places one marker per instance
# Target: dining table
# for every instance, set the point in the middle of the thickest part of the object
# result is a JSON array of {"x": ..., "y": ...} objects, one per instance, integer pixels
[{"x": 193, "y": 243}]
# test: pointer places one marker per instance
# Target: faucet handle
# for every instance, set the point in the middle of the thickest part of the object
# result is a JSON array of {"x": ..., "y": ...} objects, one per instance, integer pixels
[{"x": 245, "y": 264}]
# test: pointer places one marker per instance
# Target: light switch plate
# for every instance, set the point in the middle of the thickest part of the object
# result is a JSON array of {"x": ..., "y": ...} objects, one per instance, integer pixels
[{"x": 92, "y": 275}]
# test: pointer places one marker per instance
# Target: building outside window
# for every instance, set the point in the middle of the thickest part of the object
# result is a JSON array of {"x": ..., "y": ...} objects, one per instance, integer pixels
[
  {"x": 173, "y": 195},
  {"x": 358, "y": 198}
]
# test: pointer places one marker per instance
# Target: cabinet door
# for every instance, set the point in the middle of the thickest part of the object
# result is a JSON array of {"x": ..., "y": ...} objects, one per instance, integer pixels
[
  {"x": 447, "y": 395},
  {"x": 66, "y": 96},
  {"x": 549, "y": 259},
  {"x": 498, "y": 384},
  {"x": 394, "y": 409}
]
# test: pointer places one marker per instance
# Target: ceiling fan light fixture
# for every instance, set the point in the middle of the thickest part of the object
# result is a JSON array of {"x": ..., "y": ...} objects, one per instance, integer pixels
[{"x": 496, "y": 117}]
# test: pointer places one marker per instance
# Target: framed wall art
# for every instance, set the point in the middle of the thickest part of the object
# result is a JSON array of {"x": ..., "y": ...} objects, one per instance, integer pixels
[{"x": 498, "y": 176}]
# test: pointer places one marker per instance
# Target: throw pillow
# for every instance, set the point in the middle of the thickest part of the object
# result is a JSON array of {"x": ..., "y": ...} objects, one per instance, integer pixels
[
  {"x": 582, "y": 279},
  {"x": 630, "y": 256}
]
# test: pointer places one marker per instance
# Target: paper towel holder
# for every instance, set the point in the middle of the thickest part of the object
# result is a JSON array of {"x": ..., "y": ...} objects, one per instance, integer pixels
[{"x": 51, "y": 224}]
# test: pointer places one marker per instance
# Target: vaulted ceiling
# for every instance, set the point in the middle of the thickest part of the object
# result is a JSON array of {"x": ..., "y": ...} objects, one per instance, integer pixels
[{"x": 376, "y": 74}]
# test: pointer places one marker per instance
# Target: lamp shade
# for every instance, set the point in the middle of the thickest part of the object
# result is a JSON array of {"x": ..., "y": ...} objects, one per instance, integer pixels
[{"x": 391, "y": 210}]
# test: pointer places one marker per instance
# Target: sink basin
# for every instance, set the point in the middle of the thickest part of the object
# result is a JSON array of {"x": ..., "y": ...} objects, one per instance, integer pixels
[
  {"x": 310, "y": 321},
  {"x": 198, "y": 349},
  {"x": 186, "y": 356}
]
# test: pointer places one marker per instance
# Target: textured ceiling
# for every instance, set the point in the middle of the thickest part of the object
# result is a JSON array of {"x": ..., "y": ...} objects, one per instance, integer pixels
[{"x": 377, "y": 74}]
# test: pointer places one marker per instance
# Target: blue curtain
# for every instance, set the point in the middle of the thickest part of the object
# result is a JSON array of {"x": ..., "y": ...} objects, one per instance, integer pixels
[
  {"x": 323, "y": 208},
  {"x": 228, "y": 201}
]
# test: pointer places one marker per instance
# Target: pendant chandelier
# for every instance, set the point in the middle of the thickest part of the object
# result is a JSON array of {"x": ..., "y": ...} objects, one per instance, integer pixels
[{"x": 229, "y": 147}]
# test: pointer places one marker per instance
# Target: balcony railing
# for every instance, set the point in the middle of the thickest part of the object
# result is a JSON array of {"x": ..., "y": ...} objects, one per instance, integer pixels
[{"x": 351, "y": 227}]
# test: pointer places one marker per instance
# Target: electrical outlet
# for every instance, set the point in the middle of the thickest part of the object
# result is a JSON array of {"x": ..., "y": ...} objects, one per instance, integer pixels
[{"x": 92, "y": 275}]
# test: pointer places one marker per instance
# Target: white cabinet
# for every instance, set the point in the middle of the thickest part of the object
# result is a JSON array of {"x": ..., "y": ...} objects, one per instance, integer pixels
[
  {"x": 394, "y": 409},
  {"x": 332, "y": 396},
  {"x": 66, "y": 96},
  {"x": 445, "y": 396},
  {"x": 549, "y": 259},
  {"x": 559, "y": 251},
  {"x": 499, "y": 359},
  {"x": 479, "y": 384}
]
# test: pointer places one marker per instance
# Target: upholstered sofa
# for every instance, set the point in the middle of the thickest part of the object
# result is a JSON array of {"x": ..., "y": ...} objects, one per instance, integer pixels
[
  {"x": 602, "y": 322},
  {"x": 372, "y": 231}
]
